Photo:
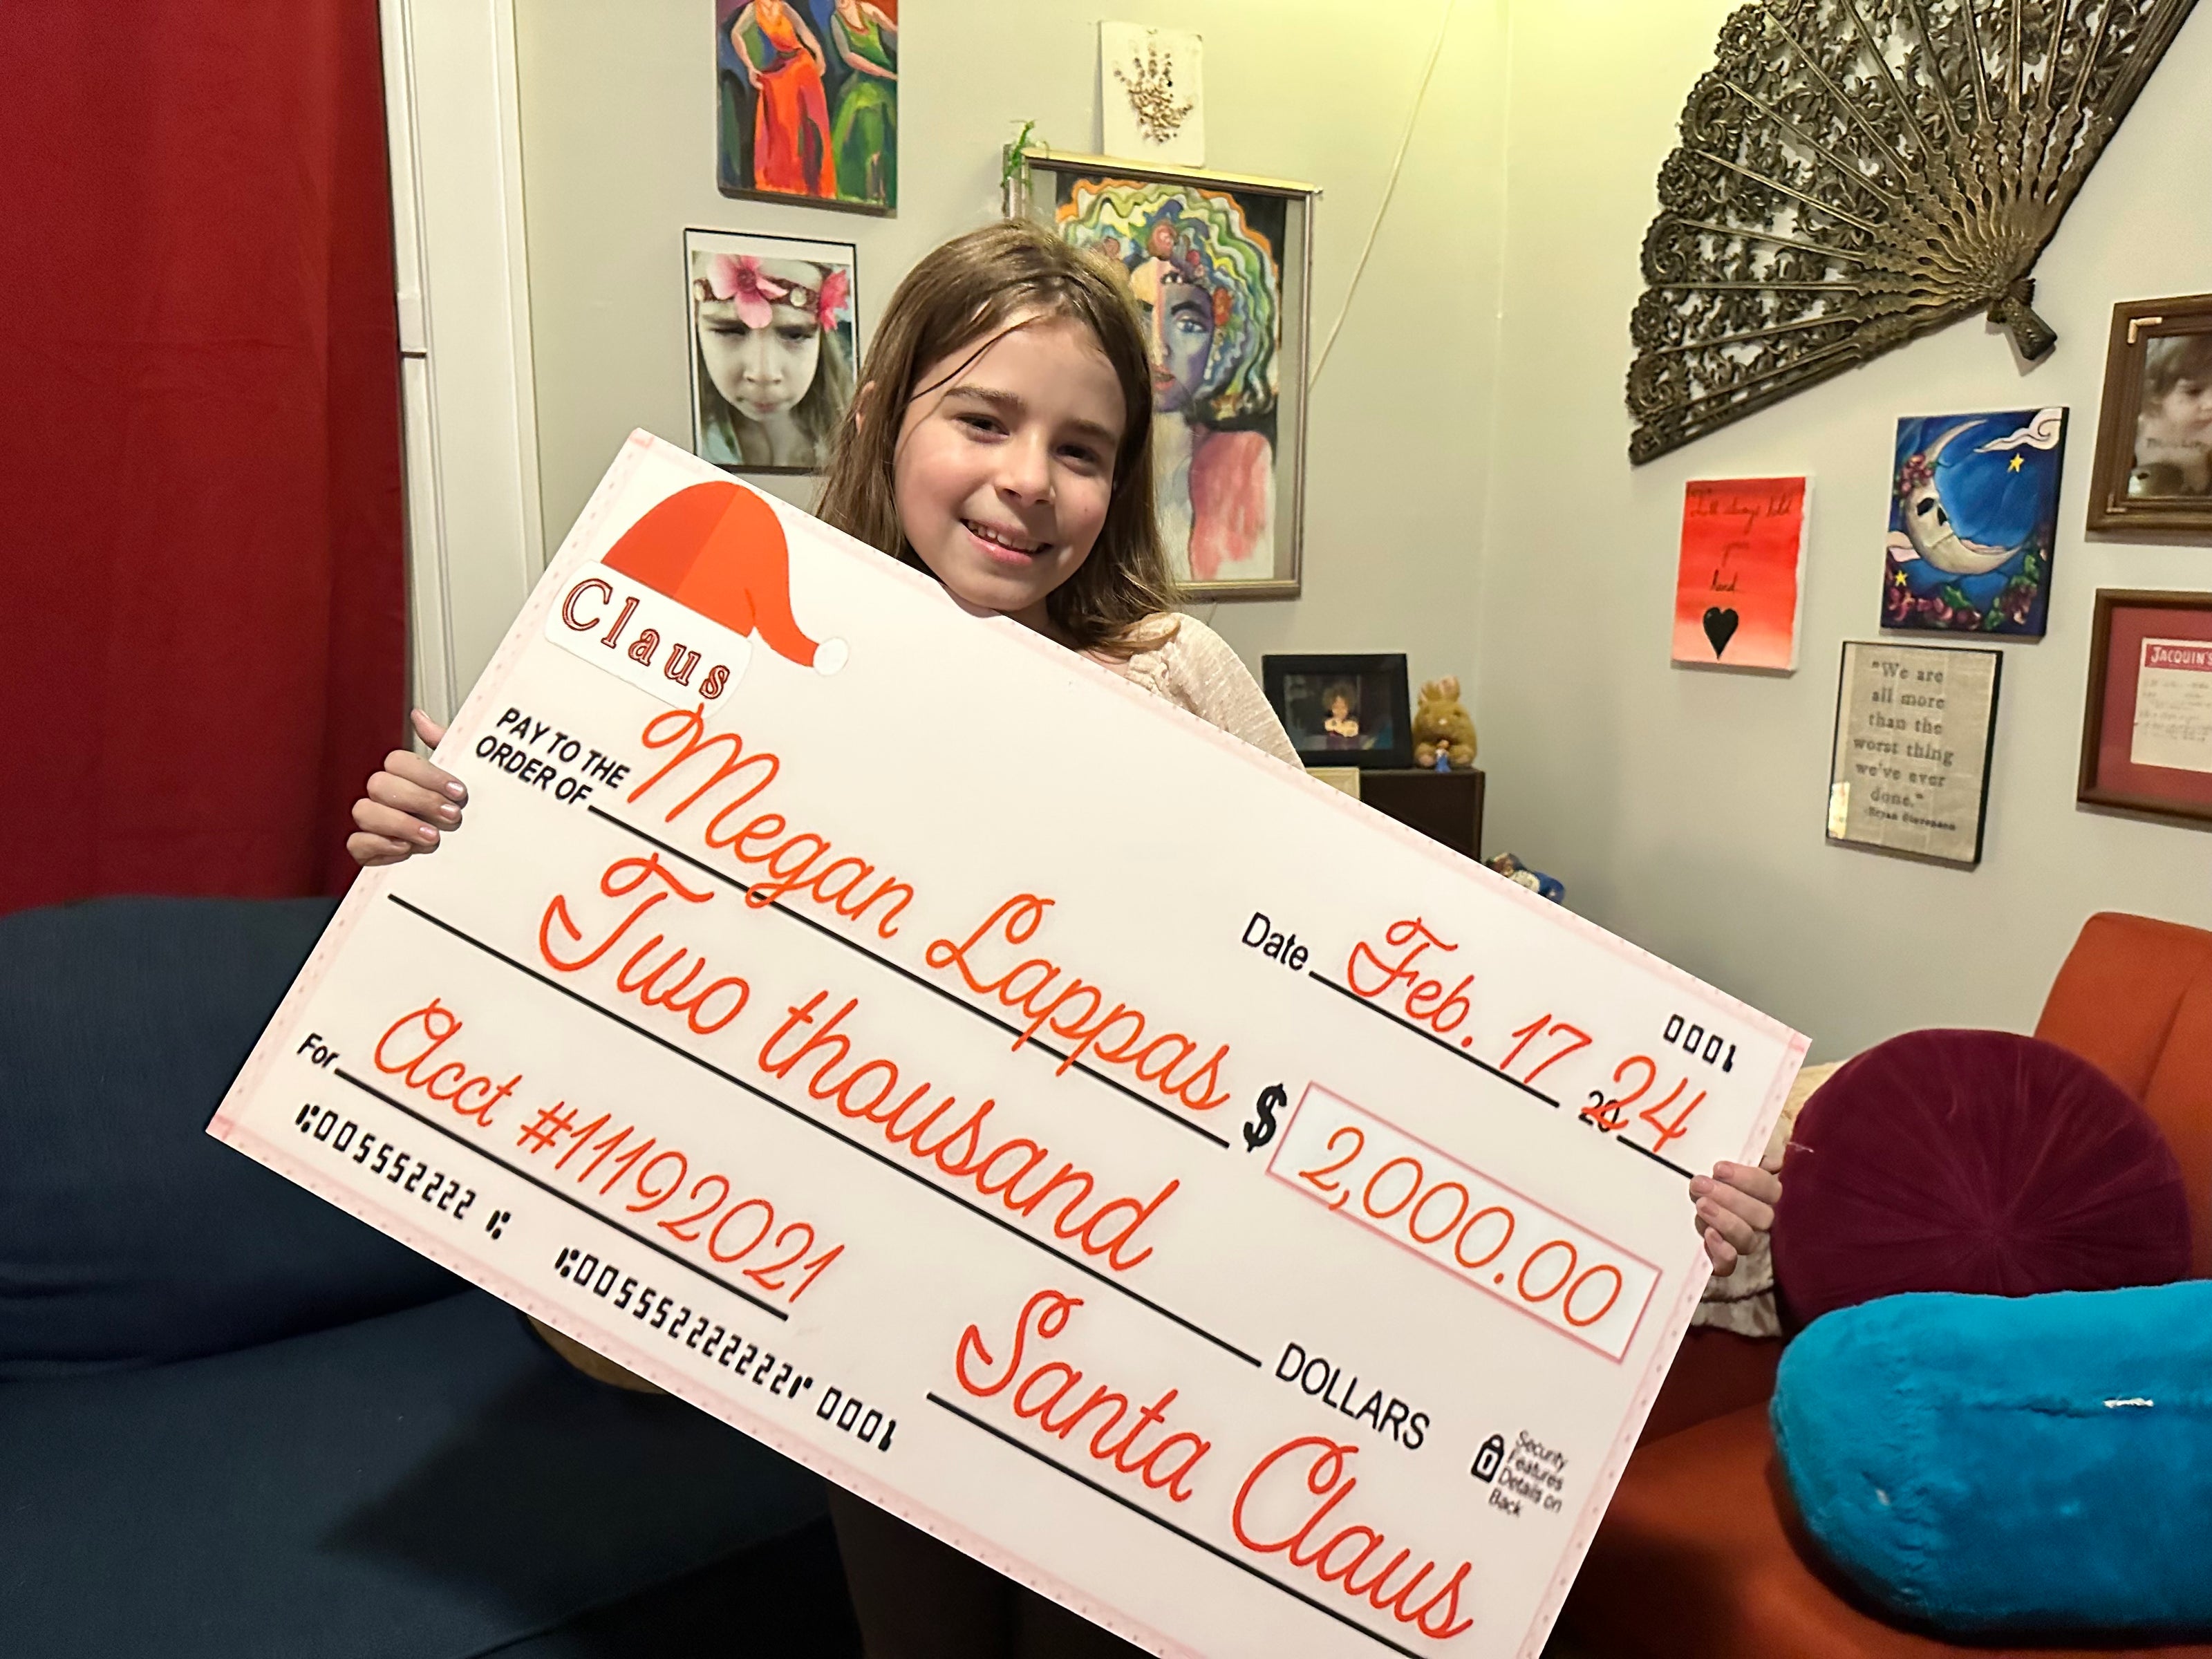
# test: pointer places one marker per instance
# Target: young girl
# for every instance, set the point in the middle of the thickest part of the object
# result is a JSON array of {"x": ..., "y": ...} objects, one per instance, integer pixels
[{"x": 1000, "y": 441}]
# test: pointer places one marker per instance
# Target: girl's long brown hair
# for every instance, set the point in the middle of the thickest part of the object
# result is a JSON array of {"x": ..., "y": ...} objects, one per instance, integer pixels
[{"x": 959, "y": 297}]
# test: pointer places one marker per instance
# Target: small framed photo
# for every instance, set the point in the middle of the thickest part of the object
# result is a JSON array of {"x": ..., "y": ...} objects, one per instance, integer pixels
[
  {"x": 1914, "y": 728},
  {"x": 1343, "y": 710},
  {"x": 774, "y": 337},
  {"x": 1221, "y": 266},
  {"x": 2154, "y": 468},
  {"x": 2147, "y": 726}
]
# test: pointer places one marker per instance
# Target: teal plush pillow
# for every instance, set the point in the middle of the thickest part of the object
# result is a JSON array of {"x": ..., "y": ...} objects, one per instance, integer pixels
[{"x": 1993, "y": 1465}]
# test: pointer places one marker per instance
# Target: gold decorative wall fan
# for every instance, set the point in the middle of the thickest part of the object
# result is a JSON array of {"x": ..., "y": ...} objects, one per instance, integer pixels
[{"x": 1854, "y": 172}]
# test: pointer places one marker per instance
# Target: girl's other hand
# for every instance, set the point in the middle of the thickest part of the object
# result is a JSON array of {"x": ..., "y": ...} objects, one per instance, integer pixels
[
  {"x": 1735, "y": 1208},
  {"x": 408, "y": 804}
]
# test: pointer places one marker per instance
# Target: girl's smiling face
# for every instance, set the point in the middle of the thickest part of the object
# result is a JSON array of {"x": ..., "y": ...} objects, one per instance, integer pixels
[{"x": 1004, "y": 464}]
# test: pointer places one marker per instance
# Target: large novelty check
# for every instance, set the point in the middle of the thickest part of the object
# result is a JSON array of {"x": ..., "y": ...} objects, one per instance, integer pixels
[{"x": 1128, "y": 1159}]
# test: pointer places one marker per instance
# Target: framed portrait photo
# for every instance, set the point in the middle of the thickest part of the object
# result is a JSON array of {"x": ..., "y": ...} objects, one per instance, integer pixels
[
  {"x": 1221, "y": 267},
  {"x": 2146, "y": 725},
  {"x": 1915, "y": 727},
  {"x": 1343, "y": 710},
  {"x": 774, "y": 337},
  {"x": 2154, "y": 468}
]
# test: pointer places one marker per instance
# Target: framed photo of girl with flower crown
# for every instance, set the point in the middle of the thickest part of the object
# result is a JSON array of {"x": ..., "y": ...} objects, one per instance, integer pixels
[
  {"x": 774, "y": 336},
  {"x": 1221, "y": 267}
]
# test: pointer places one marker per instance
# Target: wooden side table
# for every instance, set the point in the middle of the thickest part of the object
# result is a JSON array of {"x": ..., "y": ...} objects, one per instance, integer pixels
[{"x": 1445, "y": 806}]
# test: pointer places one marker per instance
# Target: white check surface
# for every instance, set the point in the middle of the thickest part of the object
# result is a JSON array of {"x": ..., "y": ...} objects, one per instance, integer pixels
[{"x": 731, "y": 1083}]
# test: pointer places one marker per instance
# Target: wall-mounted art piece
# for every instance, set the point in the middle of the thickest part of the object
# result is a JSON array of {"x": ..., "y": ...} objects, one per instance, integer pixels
[
  {"x": 1853, "y": 173},
  {"x": 1219, "y": 264},
  {"x": 1741, "y": 577},
  {"x": 1151, "y": 94},
  {"x": 1973, "y": 512},
  {"x": 773, "y": 340},
  {"x": 1916, "y": 725},
  {"x": 2153, "y": 467},
  {"x": 806, "y": 101},
  {"x": 2147, "y": 725}
]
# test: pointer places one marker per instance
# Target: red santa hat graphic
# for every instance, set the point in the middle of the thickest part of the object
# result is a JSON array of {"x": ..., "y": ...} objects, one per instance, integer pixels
[{"x": 718, "y": 549}]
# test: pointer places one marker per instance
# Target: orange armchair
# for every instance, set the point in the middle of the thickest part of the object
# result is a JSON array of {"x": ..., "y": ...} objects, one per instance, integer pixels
[{"x": 1696, "y": 1558}]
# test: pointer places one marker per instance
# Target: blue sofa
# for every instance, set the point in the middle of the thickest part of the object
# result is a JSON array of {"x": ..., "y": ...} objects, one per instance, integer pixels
[{"x": 234, "y": 1422}]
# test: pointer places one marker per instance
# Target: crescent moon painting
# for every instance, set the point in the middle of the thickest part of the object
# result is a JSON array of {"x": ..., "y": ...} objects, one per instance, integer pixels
[{"x": 1973, "y": 515}]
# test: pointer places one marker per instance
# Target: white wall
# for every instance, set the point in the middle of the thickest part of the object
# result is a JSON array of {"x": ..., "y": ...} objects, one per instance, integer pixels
[
  {"x": 618, "y": 156},
  {"x": 1469, "y": 498},
  {"x": 1684, "y": 808}
]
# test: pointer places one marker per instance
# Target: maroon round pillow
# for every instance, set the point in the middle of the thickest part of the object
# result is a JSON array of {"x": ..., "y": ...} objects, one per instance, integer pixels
[{"x": 1974, "y": 1161}]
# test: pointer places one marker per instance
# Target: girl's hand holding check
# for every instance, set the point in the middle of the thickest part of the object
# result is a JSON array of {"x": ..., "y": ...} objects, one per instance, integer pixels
[
  {"x": 1735, "y": 1205},
  {"x": 409, "y": 803}
]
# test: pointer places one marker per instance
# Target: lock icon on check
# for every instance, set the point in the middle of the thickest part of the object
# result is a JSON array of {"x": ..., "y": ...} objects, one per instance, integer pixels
[{"x": 1487, "y": 1460}]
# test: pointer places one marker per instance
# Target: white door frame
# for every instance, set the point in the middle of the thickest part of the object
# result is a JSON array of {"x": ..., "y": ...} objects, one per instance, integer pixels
[{"x": 474, "y": 538}]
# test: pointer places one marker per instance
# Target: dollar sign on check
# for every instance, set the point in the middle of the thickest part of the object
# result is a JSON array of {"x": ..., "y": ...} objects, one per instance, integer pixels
[{"x": 1261, "y": 1129}]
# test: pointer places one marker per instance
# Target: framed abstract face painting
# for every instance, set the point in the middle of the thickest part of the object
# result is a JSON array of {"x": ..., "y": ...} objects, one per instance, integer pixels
[
  {"x": 806, "y": 101},
  {"x": 1219, "y": 265},
  {"x": 1973, "y": 513}
]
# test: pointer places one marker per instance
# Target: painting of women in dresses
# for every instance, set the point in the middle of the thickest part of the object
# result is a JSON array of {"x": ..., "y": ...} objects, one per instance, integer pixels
[
  {"x": 772, "y": 346},
  {"x": 1204, "y": 267},
  {"x": 808, "y": 100}
]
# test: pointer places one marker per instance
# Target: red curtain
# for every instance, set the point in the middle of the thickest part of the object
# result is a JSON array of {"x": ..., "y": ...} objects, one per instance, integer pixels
[{"x": 204, "y": 644}]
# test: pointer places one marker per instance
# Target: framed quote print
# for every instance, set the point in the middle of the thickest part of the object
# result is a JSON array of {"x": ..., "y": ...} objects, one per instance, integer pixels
[{"x": 1915, "y": 727}]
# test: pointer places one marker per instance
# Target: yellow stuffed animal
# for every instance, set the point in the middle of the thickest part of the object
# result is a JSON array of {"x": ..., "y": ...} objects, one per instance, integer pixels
[{"x": 1441, "y": 726}]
